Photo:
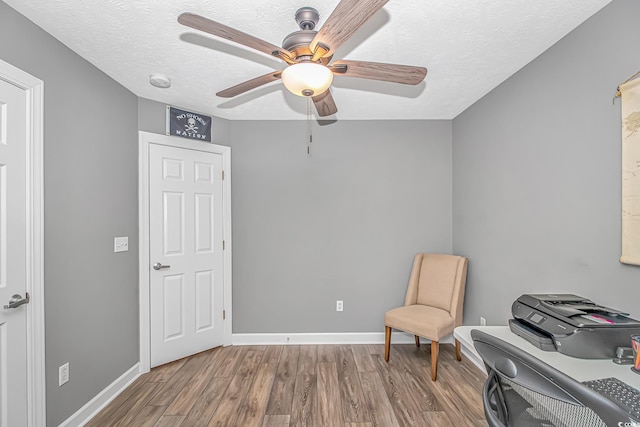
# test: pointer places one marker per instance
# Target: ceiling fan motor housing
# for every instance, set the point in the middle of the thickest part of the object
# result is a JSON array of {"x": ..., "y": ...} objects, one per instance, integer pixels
[{"x": 298, "y": 43}]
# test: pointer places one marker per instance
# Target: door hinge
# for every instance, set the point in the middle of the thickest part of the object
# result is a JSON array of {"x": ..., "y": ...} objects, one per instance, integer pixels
[
  {"x": 223, "y": 175},
  {"x": 224, "y": 314},
  {"x": 223, "y": 245}
]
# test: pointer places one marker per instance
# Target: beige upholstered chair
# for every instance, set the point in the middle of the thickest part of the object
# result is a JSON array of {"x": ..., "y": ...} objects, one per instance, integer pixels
[{"x": 433, "y": 304}]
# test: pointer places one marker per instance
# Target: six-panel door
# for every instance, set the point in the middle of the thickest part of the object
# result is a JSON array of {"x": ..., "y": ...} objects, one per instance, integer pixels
[{"x": 186, "y": 284}]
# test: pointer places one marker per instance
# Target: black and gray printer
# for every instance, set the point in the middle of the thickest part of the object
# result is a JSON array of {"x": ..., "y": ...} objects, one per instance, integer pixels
[{"x": 572, "y": 325}]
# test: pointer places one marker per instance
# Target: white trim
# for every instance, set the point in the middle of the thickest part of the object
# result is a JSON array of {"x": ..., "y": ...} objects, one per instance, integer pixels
[
  {"x": 146, "y": 138},
  {"x": 102, "y": 399},
  {"x": 34, "y": 88},
  {"x": 397, "y": 337},
  {"x": 463, "y": 334},
  {"x": 143, "y": 255},
  {"x": 474, "y": 358}
]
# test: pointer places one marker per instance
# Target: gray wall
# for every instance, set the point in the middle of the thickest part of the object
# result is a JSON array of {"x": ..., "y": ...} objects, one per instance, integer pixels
[
  {"x": 536, "y": 173},
  {"x": 90, "y": 196},
  {"x": 343, "y": 223}
]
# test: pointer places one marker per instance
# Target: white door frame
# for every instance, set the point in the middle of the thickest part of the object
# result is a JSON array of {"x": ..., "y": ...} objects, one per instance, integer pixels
[
  {"x": 145, "y": 139},
  {"x": 36, "y": 386}
]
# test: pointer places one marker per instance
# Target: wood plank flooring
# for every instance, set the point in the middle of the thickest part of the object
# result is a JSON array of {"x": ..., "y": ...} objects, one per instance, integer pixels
[{"x": 307, "y": 386}]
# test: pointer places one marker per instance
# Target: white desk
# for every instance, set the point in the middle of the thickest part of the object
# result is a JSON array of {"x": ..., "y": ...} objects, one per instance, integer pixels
[{"x": 579, "y": 369}]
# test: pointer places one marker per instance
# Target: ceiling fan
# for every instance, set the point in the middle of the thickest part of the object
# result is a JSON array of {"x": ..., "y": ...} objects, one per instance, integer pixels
[{"x": 308, "y": 53}]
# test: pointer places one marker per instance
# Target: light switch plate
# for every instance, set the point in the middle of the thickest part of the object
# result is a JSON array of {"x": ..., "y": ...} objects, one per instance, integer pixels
[{"x": 120, "y": 244}]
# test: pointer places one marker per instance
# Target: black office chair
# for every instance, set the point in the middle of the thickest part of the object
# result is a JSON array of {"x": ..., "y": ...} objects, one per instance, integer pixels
[{"x": 522, "y": 390}]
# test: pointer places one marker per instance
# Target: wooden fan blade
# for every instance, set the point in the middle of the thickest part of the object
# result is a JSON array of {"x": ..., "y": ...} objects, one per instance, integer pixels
[
  {"x": 325, "y": 105},
  {"x": 249, "y": 84},
  {"x": 217, "y": 29},
  {"x": 345, "y": 19},
  {"x": 405, "y": 74}
]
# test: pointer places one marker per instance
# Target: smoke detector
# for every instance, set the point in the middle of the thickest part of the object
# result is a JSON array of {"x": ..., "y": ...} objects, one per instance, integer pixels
[{"x": 160, "y": 80}]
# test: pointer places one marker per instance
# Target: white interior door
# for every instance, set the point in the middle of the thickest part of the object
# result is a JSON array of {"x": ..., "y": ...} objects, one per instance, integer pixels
[
  {"x": 13, "y": 252},
  {"x": 185, "y": 252}
]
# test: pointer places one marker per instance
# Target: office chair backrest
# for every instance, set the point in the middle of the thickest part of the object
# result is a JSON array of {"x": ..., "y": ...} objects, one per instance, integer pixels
[
  {"x": 522, "y": 390},
  {"x": 438, "y": 280}
]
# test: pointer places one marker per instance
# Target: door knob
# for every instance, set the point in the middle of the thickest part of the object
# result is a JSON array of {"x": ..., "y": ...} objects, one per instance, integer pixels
[
  {"x": 17, "y": 300},
  {"x": 158, "y": 266}
]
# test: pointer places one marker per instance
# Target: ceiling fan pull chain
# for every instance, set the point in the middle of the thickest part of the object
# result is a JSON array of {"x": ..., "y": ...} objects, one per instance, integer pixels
[{"x": 309, "y": 126}]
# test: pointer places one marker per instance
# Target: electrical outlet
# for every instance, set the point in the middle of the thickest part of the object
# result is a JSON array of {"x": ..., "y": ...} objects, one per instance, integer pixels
[
  {"x": 483, "y": 321},
  {"x": 63, "y": 374},
  {"x": 339, "y": 305}
]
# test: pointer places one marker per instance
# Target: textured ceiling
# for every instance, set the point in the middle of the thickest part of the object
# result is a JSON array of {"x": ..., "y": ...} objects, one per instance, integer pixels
[{"x": 468, "y": 46}]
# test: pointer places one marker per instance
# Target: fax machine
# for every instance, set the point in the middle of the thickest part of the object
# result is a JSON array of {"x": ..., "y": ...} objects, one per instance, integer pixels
[{"x": 572, "y": 325}]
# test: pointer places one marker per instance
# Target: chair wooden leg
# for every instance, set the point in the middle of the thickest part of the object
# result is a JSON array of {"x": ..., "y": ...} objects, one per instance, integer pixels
[
  {"x": 417, "y": 341},
  {"x": 434, "y": 360},
  {"x": 458, "y": 355},
  {"x": 387, "y": 342}
]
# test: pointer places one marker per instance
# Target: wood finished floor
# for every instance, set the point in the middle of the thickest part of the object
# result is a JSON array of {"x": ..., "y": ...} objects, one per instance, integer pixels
[{"x": 307, "y": 385}]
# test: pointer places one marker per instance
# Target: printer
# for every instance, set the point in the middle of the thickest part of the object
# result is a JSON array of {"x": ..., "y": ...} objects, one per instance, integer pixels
[{"x": 572, "y": 325}]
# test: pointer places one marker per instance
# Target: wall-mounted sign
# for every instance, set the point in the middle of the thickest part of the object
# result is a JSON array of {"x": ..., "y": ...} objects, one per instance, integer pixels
[{"x": 188, "y": 125}]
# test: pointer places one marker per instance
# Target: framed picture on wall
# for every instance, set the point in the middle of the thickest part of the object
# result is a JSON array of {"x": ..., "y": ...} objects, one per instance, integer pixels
[{"x": 188, "y": 124}]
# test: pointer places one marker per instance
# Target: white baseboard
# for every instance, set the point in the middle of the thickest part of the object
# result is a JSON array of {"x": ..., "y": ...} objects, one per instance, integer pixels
[
  {"x": 397, "y": 337},
  {"x": 102, "y": 399},
  {"x": 474, "y": 358}
]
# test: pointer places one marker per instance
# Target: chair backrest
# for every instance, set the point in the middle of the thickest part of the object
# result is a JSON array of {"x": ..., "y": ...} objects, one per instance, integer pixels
[
  {"x": 522, "y": 390},
  {"x": 438, "y": 280}
]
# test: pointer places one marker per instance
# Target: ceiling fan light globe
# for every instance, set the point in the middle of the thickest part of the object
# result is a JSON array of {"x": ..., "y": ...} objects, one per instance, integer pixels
[{"x": 307, "y": 78}]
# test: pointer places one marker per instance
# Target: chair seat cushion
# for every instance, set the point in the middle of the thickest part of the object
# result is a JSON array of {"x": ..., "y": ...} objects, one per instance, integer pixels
[{"x": 422, "y": 320}]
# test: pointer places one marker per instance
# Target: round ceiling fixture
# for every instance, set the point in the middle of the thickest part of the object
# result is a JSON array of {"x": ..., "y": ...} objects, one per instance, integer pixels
[
  {"x": 160, "y": 80},
  {"x": 307, "y": 78}
]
